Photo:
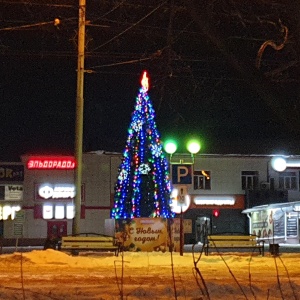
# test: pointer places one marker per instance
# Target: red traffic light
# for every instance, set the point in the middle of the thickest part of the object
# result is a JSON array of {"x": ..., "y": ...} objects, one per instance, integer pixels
[{"x": 216, "y": 213}]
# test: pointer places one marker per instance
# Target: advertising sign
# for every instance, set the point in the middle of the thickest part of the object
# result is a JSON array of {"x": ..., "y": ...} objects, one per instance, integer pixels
[
  {"x": 18, "y": 223},
  {"x": 11, "y": 192},
  {"x": 58, "y": 191},
  {"x": 11, "y": 173},
  {"x": 143, "y": 234},
  {"x": 150, "y": 234},
  {"x": 175, "y": 228},
  {"x": 267, "y": 223},
  {"x": 18, "y": 229},
  {"x": 20, "y": 217},
  {"x": 54, "y": 191},
  {"x": 51, "y": 163},
  {"x": 187, "y": 228}
]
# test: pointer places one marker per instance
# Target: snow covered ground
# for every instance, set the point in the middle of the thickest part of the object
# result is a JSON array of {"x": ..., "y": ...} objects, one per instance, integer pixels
[{"x": 50, "y": 274}]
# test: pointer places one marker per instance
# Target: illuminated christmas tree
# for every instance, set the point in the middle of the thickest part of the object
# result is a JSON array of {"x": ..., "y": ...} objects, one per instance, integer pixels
[{"x": 143, "y": 186}]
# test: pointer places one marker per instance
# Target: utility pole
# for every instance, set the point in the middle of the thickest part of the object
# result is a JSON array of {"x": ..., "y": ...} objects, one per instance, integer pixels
[{"x": 79, "y": 116}]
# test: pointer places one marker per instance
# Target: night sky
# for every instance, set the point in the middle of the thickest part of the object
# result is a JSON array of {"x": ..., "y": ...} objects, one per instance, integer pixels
[{"x": 201, "y": 62}]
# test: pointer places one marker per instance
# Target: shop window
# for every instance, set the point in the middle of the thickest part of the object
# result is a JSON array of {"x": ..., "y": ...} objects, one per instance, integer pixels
[
  {"x": 70, "y": 211},
  {"x": 58, "y": 211},
  {"x": 202, "y": 180},
  {"x": 250, "y": 180},
  {"x": 288, "y": 181},
  {"x": 47, "y": 211}
]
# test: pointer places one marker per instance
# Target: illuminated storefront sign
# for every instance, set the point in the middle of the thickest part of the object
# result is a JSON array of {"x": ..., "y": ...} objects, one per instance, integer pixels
[
  {"x": 48, "y": 191},
  {"x": 7, "y": 211},
  {"x": 214, "y": 200},
  {"x": 59, "y": 163}
]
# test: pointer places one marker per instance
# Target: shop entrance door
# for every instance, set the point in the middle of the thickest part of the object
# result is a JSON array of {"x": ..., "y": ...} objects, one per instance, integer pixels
[
  {"x": 1, "y": 228},
  {"x": 57, "y": 229}
]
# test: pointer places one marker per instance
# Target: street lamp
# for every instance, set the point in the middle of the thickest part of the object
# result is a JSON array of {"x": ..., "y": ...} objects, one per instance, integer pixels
[
  {"x": 280, "y": 163},
  {"x": 193, "y": 146}
]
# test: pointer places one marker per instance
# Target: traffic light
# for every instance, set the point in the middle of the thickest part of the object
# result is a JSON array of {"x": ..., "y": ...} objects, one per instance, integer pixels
[{"x": 216, "y": 213}]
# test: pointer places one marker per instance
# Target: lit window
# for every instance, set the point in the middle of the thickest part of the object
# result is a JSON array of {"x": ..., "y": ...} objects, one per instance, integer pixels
[
  {"x": 59, "y": 211},
  {"x": 202, "y": 180},
  {"x": 48, "y": 212},
  {"x": 70, "y": 211}
]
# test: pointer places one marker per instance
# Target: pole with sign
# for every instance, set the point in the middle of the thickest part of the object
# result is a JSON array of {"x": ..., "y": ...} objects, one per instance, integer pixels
[
  {"x": 182, "y": 172},
  {"x": 18, "y": 226},
  {"x": 181, "y": 202}
]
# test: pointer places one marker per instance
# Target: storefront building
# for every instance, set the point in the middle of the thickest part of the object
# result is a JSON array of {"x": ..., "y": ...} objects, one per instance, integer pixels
[
  {"x": 276, "y": 220},
  {"x": 11, "y": 198},
  {"x": 213, "y": 192},
  {"x": 49, "y": 192}
]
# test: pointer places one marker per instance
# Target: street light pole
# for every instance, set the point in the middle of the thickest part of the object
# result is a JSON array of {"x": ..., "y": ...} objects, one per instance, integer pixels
[
  {"x": 79, "y": 115},
  {"x": 193, "y": 147}
]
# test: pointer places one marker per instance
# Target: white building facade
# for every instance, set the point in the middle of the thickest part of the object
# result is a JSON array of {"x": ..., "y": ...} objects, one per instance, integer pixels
[{"x": 218, "y": 193}]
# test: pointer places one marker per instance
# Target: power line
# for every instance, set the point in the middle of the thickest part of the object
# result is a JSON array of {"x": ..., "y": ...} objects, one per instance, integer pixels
[
  {"x": 127, "y": 29},
  {"x": 26, "y": 26},
  {"x": 38, "y": 4},
  {"x": 55, "y": 22}
]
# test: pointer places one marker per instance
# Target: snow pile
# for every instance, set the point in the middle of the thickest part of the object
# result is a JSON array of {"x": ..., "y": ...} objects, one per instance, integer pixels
[{"x": 149, "y": 275}]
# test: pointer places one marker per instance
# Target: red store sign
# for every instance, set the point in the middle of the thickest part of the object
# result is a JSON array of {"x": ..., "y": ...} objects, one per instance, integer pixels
[{"x": 51, "y": 163}]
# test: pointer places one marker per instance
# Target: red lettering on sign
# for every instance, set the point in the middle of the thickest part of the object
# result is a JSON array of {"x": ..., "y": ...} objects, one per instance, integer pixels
[{"x": 51, "y": 163}]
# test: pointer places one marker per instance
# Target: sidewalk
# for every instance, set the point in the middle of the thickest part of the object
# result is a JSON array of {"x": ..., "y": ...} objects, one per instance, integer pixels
[
  {"x": 283, "y": 248},
  {"x": 7, "y": 250}
]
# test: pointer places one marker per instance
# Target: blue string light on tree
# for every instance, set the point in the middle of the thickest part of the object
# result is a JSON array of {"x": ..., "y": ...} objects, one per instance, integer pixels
[{"x": 143, "y": 186}]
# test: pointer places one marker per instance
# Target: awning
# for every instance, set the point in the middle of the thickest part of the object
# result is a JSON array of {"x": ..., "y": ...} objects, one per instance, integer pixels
[{"x": 271, "y": 206}]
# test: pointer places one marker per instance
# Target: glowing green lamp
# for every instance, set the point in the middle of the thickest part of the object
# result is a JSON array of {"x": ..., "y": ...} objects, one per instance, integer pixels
[
  {"x": 170, "y": 147},
  {"x": 193, "y": 146}
]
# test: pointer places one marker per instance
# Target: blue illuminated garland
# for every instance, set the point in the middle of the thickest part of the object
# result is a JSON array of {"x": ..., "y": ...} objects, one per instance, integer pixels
[{"x": 143, "y": 185}]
